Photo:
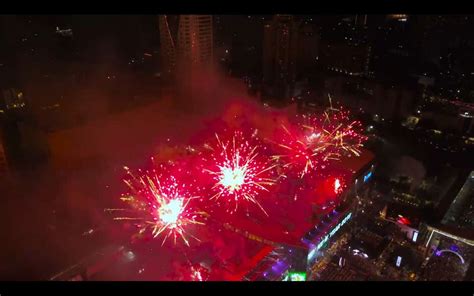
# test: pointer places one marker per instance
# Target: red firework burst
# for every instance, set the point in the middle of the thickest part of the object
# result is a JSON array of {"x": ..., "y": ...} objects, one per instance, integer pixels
[
  {"x": 239, "y": 172},
  {"x": 315, "y": 140},
  {"x": 162, "y": 205}
]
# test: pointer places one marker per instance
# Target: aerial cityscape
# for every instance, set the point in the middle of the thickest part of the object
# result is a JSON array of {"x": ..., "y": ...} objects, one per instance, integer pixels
[{"x": 237, "y": 147}]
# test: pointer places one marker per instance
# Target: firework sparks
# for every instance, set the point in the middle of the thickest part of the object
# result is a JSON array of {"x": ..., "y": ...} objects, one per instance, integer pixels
[
  {"x": 162, "y": 205},
  {"x": 235, "y": 169},
  {"x": 337, "y": 186},
  {"x": 297, "y": 152},
  {"x": 316, "y": 140},
  {"x": 192, "y": 272},
  {"x": 239, "y": 171},
  {"x": 198, "y": 274}
]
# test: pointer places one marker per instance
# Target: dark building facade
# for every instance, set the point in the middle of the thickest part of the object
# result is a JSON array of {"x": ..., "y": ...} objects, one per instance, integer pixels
[{"x": 279, "y": 56}]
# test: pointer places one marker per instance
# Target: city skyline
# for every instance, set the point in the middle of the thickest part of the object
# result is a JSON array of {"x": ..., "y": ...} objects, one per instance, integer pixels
[{"x": 175, "y": 147}]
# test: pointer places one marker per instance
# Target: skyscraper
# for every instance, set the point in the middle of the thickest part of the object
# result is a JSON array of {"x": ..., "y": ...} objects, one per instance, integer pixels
[
  {"x": 308, "y": 50},
  {"x": 346, "y": 47},
  {"x": 279, "y": 56},
  {"x": 195, "y": 39},
  {"x": 189, "y": 47},
  {"x": 168, "y": 48}
]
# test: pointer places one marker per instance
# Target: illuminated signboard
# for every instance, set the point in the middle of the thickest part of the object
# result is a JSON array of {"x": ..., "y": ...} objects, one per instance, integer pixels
[
  {"x": 333, "y": 231},
  {"x": 399, "y": 261},
  {"x": 415, "y": 236},
  {"x": 311, "y": 254},
  {"x": 328, "y": 236},
  {"x": 295, "y": 277},
  {"x": 367, "y": 177}
]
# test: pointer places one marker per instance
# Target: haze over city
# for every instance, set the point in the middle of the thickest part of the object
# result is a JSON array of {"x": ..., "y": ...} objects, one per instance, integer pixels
[{"x": 237, "y": 147}]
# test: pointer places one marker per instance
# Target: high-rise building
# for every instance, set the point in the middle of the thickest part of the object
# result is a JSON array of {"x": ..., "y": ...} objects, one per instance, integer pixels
[
  {"x": 186, "y": 44},
  {"x": 279, "y": 56},
  {"x": 346, "y": 48},
  {"x": 308, "y": 49},
  {"x": 195, "y": 40},
  {"x": 168, "y": 48},
  {"x": 347, "y": 59},
  {"x": 448, "y": 58}
]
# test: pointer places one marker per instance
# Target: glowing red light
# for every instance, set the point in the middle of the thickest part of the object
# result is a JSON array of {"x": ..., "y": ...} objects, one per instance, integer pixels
[
  {"x": 246, "y": 160},
  {"x": 403, "y": 220}
]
